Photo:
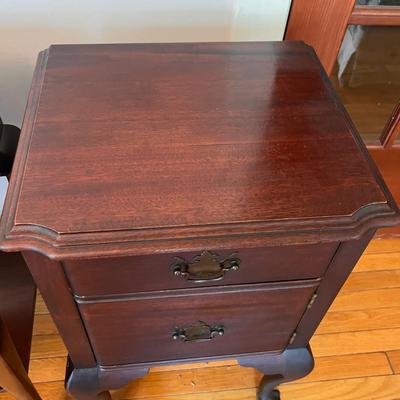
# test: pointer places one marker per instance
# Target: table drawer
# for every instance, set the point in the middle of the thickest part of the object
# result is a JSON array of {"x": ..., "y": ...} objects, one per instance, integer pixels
[
  {"x": 189, "y": 323},
  {"x": 123, "y": 275}
]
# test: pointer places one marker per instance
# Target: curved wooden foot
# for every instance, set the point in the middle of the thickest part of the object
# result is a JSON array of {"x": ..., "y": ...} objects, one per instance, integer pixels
[
  {"x": 84, "y": 384},
  {"x": 95, "y": 383},
  {"x": 290, "y": 365}
]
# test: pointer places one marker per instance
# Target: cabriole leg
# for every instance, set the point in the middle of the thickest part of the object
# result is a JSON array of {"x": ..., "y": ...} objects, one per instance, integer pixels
[{"x": 288, "y": 366}]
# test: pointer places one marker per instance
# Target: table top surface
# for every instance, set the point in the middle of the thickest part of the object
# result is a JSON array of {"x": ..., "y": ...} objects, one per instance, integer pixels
[{"x": 162, "y": 140}]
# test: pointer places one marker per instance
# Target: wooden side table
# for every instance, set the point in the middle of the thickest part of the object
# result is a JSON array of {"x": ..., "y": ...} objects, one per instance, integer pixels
[{"x": 181, "y": 202}]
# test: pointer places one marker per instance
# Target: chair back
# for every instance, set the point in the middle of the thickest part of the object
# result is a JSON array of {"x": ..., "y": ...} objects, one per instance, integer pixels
[{"x": 9, "y": 136}]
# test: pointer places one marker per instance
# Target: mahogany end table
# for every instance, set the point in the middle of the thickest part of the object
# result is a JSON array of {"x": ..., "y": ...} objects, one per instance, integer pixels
[{"x": 183, "y": 202}]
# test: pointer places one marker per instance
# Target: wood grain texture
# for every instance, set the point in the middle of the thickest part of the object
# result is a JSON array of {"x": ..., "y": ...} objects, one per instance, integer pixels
[
  {"x": 373, "y": 280},
  {"x": 321, "y": 24},
  {"x": 394, "y": 358},
  {"x": 47, "y": 346},
  {"x": 17, "y": 301},
  {"x": 356, "y": 342},
  {"x": 44, "y": 325},
  {"x": 369, "y": 15},
  {"x": 123, "y": 275},
  {"x": 338, "y": 271},
  {"x": 365, "y": 299},
  {"x": 378, "y": 262},
  {"x": 360, "y": 320},
  {"x": 54, "y": 287},
  {"x": 388, "y": 161},
  {"x": 202, "y": 117},
  {"x": 383, "y": 245},
  {"x": 158, "y": 315},
  {"x": 180, "y": 376},
  {"x": 13, "y": 375},
  {"x": 47, "y": 368},
  {"x": 384, "y": 388},
  {"x": 377, "y": 388}
]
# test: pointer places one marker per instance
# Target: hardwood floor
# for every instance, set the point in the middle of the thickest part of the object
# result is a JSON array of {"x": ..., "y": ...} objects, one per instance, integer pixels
[
  {"x": 388, "y": 162},
  {"x": 357, "y": 349}
]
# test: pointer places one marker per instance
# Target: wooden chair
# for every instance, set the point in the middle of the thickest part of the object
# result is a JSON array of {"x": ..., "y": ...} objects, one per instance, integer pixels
[{"x": 17, "y": 299}]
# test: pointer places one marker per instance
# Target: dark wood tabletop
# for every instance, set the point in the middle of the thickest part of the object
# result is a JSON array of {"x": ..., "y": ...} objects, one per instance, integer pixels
[{"x": 137, "y": 142}]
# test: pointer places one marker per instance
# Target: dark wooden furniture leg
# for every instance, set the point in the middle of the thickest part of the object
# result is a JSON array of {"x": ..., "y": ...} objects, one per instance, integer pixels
[
  {"x": 13, "y": 376},
  {"x": 17, "y": 297},
  {"x": 84, "y": 384},
  {"x": 17, "y": 302},
  {"x": 290, "y": 365},
  {"x": 95, "y": 383}
]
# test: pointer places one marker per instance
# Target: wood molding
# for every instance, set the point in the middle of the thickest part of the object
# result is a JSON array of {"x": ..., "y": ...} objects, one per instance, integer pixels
[
  {"x": 383, "y": 16},
  {"x": 392, "y": 129},
  {"x": 322, "y": 25}
]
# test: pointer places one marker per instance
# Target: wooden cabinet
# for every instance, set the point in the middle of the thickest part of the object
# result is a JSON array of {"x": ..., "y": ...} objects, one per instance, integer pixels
[{"x": 180, "y": 202}]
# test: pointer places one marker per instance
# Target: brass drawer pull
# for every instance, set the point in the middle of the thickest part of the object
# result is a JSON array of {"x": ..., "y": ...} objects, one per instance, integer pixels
[
  {"x": 201, "y": 332},
  {"x": 204, "y": 267}
]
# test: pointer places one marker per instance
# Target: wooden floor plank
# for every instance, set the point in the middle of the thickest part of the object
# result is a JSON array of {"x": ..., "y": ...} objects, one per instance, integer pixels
[
  {"x": 394, "y": 358},
  {"x": 356, "y": 342},
  {"x": 378, "y": 262},
  {"x": 367, "y": 299},
  {"x": 348, "y": 366},
  {"x": 380, "y": 246},
  {"x": 360, "y": 320},
  {"x": 179, "y": 367},
  {"x": 40, "y": 305},
  {"x": 55, "y": 391},
  {"x": 372, "y": 280},
  {"x": 371, "y": 388},
  {"x": 47, "y": 369},
  {"x": 44, "y": 325},
  {"x": 47, "y": 346}
]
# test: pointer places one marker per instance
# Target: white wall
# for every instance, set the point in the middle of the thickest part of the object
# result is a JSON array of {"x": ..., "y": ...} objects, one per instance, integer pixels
[{"x": 28, "y": 26}]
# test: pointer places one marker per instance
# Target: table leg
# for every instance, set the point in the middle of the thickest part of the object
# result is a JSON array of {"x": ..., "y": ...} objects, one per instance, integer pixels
[
  {"x": 290, "y": 365},
  {"x": 13, "y": 376},
  {"x": 95, "y": 383}
]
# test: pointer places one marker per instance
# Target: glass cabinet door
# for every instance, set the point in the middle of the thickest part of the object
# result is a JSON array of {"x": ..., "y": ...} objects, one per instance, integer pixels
[
  {"x": 375, "y": 3},
  {"x": 367, "y": 77}
]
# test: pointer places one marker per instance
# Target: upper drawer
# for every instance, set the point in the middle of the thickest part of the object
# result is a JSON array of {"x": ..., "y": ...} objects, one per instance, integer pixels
[{"x": 123, "y": 275}]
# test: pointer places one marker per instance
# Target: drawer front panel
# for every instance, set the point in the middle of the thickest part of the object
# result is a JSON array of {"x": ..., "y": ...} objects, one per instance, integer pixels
[
  {"x": 176, "y": 327},
  {"x": 123, "y": 275}
]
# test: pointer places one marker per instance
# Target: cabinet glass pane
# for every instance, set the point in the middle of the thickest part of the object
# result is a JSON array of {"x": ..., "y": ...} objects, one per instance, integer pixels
[
  {"x": 367, "y": 76},
  {"x": 378, "y": 3}
]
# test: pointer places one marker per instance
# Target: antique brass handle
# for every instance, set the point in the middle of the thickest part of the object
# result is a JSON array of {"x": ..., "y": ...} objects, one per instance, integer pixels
[
  {"x": 201, "y": 332},
  {"x": 204, "y": 267}
]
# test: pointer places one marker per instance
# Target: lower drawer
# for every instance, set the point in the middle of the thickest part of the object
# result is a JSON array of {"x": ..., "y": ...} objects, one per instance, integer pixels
[{"x": 195, "y": 323}]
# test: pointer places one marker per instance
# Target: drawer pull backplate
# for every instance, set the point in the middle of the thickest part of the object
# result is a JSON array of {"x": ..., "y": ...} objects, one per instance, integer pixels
[
  {"x": 200, "y": 332},
  {"x": 204, "y": 267}
]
